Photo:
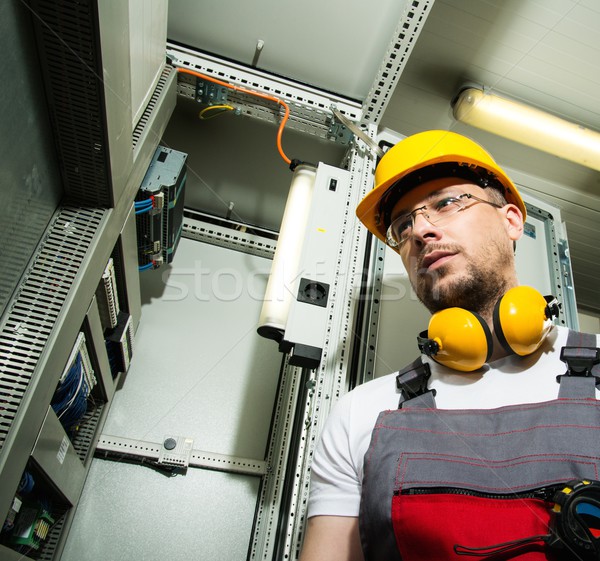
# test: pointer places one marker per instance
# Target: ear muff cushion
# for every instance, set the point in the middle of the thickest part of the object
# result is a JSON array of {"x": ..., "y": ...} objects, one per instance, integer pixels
[
  {"x": 520, "y": 320},
  {"x": 464, "y": 339}
]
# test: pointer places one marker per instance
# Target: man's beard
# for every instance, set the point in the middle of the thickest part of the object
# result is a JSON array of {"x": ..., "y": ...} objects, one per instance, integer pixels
[{"x": 477, "y": 288}]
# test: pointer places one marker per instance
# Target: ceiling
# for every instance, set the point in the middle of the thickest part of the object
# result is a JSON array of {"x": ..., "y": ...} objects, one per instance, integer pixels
[
  {"x": 545, "y": 53},
  {"x": 314, "y": 42}
]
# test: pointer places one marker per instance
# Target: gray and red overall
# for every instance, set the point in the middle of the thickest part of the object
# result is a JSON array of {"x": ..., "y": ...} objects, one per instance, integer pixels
[{"x": 456, "y": 484}]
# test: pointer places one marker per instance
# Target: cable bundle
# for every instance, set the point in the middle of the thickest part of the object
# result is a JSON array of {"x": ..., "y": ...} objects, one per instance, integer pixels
[
  {"x": 70, "y": 399},
  {"x": 143, "y": 206}
]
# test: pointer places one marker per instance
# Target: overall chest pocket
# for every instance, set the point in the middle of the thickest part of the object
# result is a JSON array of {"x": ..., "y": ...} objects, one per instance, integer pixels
[
  {"x": 438, "y": 524},
  {"x": 454, "y": 507}
]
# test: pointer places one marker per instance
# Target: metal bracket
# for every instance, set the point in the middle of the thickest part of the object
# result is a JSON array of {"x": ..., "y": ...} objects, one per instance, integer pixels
[
  {"x": 357, "y": 131},
  {"x": 339, "y": 132},
  {"x": 228, "y": 233},
  {"x": 210, "y": 94}
]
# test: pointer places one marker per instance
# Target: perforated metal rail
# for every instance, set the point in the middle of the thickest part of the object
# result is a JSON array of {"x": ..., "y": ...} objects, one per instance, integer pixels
[
  {"x": 116, "y": 446},
  {"x": 395, "y": 59},
  {"x": 228, "y": 234},
  {"x": 310, "y": 110}
]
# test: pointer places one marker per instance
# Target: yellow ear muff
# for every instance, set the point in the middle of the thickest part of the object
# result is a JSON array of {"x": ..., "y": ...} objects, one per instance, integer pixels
[
  {"x": 520, "y": 319},
  {"x": 458, "y": 339}
]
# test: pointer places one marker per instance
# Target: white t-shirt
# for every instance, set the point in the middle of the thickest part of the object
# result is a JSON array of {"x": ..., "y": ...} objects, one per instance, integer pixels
[{"x": 337, "y": 467}]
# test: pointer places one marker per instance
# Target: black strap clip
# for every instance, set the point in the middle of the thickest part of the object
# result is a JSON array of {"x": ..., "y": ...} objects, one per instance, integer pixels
[
  {"x": 427, "y": 346},
  {"x": 580, "y": 361},
  {"x": 413, "y": 382},
  {"x": 553, "y": 307}
]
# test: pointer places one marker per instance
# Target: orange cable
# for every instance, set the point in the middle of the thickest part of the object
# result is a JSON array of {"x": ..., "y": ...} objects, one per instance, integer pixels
[{"x": 251, "y": 92}]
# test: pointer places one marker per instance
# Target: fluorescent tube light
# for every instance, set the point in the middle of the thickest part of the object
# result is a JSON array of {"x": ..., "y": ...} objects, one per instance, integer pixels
[
  {"x": 286, "y": 261},
  {"x": 529, "y": 126}
]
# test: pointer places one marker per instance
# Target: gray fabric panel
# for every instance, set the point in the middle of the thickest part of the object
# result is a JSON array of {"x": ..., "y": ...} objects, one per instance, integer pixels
[
  {"x": 579, "y": 339},
  {"x": 375, "y": 522},
  {"x": 572, "y": 387},
  {"x": 474, "y": 448}
]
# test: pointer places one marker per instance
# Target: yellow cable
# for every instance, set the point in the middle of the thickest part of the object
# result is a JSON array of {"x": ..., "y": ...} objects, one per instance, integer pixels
[{"x": 218, "y": 108}]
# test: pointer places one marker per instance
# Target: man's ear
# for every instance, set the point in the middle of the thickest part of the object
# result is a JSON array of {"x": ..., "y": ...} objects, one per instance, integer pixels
[{"x": 514, "y": 221}]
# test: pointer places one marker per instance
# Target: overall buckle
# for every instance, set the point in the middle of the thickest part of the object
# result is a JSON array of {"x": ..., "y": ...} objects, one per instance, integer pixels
[
  {"x": 413, "y": 383},
  {"x": 580, "y": 361}
]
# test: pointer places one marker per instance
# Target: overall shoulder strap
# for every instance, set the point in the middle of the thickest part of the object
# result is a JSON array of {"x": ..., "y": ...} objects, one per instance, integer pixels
[
  {"x": 582, "y": 357},
  {"x": 412, "y": 383}
]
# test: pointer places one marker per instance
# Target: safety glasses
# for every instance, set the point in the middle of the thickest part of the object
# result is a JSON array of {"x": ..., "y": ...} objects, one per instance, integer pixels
[{"x": 438, "y": 212}]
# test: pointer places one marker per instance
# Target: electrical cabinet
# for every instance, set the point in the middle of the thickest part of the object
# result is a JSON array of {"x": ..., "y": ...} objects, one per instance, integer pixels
[
  {"x": 52, "y": 328},
  {"x": 198, "y": 434}
]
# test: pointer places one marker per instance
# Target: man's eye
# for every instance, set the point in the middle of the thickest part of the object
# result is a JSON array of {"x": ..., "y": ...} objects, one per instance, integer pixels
[
  {"x": 402, "y": 224},
  {"x": 445, "y": 204}
]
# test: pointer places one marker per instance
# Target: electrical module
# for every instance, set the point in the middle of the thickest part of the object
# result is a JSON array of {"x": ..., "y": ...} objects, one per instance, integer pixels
[{"x": 159, "y": 208}]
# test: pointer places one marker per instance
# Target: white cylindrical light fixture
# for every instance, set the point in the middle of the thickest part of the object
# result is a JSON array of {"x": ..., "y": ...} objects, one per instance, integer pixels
[
  {"x": 529, "y": 126},
  {"x": 286, "y": 261}
]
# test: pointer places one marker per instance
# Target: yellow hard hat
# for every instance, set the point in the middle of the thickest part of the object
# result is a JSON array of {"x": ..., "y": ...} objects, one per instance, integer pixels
[{"x": 420, "y": 151}]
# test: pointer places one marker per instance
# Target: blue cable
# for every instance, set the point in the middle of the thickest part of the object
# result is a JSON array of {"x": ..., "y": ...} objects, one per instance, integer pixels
[
  {"x": 70, "y": 400},
  {"x": 145, "y": 202},
  {"x": 146, "y": 267},
  {"x": 26, "y": 484},
  {"x": 143, "y": 206},
  {"x": 67, "y": 387}
]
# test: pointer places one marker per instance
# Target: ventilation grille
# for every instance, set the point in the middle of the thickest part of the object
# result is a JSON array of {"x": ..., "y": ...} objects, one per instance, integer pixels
[
  {"x": 140, "y": 128},
  {"x": 38, "y": 303},
  {"x": 84, "y": 438},
  {"x": 48, "y": 551},
  {"x": 68, "y": 45}
]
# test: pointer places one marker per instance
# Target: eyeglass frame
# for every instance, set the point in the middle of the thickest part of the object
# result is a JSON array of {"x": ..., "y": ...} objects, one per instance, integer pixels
[{"x": 413, "y": 214}]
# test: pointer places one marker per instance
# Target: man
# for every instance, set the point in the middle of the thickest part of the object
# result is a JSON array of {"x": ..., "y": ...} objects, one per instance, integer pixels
[{"x": 426, "y": 479}]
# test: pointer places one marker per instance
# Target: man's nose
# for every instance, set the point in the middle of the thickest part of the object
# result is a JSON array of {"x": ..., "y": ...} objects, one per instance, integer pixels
[{"x": 423, "y": 229}]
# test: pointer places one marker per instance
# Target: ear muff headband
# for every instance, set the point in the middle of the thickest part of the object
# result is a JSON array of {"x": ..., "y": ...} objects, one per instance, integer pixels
[
  {"x": 457, "y": 338},
  {"x": 520, "y": 319}
]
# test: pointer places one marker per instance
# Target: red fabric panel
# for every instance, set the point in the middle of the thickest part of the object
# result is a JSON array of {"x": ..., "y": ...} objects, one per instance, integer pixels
[{"x": 427, "y": 527}]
